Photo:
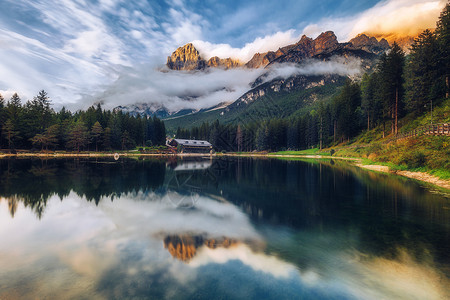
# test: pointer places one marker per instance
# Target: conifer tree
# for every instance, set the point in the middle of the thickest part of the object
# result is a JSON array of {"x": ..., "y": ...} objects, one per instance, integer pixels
[
  {"x": 443, "y": 38},
  {"x": 423, "y": 72},
  {"x": 10, "y": 133},
  {"x": 96, "y": 134},
  {"x": 78, "y": 136}
]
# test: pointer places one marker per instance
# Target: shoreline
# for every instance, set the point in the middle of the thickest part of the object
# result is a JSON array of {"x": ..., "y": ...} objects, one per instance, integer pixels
[{"x": 421, "y": 176}]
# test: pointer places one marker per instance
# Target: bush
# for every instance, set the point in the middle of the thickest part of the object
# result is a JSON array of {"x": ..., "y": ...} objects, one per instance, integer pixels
[{"x": 413, "y": 159}]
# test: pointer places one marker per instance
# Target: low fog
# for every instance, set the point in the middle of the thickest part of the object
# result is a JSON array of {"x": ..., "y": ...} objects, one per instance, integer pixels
[{"x": 176, "y": 90}]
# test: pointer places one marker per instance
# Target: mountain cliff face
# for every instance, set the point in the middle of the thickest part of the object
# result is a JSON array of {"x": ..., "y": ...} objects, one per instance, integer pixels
[
  {"x": 326, "y": 44},
  {"x": 291, "y": 94},
  {"x": 263, "y": 59},
  {"x": 226, "y": 63},
  {"x": 188, "y": 58},
  {"x": 369, "y": 44}
]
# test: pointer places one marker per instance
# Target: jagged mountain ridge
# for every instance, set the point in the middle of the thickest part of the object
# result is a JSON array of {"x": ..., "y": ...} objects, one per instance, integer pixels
[
  {"x": 326, "y": 43},
  {"x": 188, "y": 58},
  {"x": 145, "y": 109},
  {"x": 324, "y": 48}
]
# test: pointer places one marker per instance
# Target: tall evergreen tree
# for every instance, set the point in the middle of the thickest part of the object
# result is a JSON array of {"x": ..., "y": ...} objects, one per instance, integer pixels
[
  {"x": 443, "y": 38},
  {"x": 43, "y": 111},
  {"x": 391, "y": 83},
  {"x": 106, "y": 141},
  {"x": 96, "y": 134},
  {"x": 368, "y": 99},
  {"x": 2, "y": 117},
  {"x": 78, "y": 136},
  {"x": 423, "y": 72},
  {"x": 10, "y": 133},
  {"x": 14, "y": 107}
]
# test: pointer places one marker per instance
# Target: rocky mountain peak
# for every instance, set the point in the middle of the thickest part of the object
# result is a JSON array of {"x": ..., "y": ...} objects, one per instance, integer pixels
[
  {"x": 325, "y": 45},
  {"x": 325, "y": 41},
  {"x": 369, "y": 43},
  {"x": 186, "y": 58},
  {"x": 225, "y": 63},
  {"x": 305, "y": 38}
]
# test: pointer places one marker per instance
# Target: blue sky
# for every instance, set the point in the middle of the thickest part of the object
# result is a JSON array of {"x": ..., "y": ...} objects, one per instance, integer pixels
[{"x": 75, "y": 49}]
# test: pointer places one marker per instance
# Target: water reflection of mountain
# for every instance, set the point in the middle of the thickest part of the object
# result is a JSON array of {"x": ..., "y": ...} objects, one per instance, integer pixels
[
  {"x": 297, "y": 194},
  {"x": 184, "y": 247}
]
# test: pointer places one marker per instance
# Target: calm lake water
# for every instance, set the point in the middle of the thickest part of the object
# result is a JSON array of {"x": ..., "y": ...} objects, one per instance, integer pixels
[{"x": 218, "y": 229}]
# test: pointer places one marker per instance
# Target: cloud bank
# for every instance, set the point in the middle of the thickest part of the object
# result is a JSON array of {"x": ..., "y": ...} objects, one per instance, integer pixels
[
  {"x": 244, "y": 54},
  {"x": 396, "y": 18},
  {"x": 78, "y": 51},
  {"x": 176, "y": 90}
]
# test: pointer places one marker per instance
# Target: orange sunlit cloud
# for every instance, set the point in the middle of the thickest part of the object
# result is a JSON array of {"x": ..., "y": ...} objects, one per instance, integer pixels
[
  {"x": 391, "y": 19},
  {"x": 399, "y": 18}
]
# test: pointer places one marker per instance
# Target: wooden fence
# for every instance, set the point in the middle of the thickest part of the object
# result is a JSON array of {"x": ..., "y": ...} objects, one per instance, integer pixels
[{"x": 435, "y": 129}]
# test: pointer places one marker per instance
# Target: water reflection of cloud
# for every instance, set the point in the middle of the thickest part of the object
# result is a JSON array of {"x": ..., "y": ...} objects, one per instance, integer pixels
[
  {"x": 80, "y": 249},
  {"x": 257, "y": 261},
  {"x": 158, "y": 216},
  {"x": 331, "y": 260}
]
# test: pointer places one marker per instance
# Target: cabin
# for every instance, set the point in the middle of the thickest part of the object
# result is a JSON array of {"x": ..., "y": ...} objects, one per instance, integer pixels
[{"x": 191, "y": 146}]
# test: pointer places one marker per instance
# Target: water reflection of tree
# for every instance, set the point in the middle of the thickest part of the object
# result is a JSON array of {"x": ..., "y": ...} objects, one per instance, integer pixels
[
  {"x": 384, "y": 211},
  {"x": 35, "y": 181}
]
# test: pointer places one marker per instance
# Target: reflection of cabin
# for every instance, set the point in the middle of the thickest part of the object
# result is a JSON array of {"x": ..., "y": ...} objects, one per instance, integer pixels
[
  {"x": 193, "y": 165},
  {"x": 191, "y": 146}
]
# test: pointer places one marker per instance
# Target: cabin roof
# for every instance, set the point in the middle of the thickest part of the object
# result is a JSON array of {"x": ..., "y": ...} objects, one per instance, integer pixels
[{"x": 195, "y": 143}]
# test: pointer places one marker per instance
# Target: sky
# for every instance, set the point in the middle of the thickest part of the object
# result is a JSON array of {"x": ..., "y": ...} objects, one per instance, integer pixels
[{"x": 111, "y": 51}]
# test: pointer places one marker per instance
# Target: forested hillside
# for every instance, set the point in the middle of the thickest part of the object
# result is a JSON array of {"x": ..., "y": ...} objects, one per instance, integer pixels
[
  {"x": 35, "y": 125},
  {"x": 400, "y": 85}
]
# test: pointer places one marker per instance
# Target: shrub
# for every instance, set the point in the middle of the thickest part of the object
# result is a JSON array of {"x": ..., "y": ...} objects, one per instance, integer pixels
[{"x": 412, "y": 159}]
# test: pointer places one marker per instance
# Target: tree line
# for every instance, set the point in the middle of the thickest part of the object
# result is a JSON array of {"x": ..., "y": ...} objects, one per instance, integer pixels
[
  {"x": 35, "y": 125},
  {"x": 400, "y": 84}
]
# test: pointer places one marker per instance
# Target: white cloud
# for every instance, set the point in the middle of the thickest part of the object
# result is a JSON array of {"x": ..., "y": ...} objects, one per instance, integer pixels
[
  {"x": 78, "y": 50},
  {"x": 399, "y": 17},
  {"x": 244, "y": 54},
  {"x": 257, "y": 261},
  {"x": 175, "y": 89},
  {"x": 402, "y": 17},
  {"x": 186, "y": 27},
  {"x": 337, "y": 65}
]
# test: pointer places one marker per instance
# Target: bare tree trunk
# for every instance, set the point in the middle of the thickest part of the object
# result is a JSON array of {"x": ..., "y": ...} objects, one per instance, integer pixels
[
  {"x": 368, "y": 121},
  {"x": 447, "y": 85},
  {"x": 396, "y": 112},
  {"x": 334, "y": 132},
  {"x": 321, "y": 130},
  {"x": 392, "y": 119}
]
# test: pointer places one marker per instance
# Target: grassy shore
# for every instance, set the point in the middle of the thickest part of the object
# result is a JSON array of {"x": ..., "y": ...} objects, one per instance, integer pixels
[{"x": 426, "y": 158}]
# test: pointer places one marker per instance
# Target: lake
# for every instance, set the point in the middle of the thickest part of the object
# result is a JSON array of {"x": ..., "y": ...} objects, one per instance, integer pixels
[{"x": 218, "y": 229}]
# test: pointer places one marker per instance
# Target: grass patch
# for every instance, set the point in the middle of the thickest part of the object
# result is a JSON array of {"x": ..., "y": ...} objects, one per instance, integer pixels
[
  {"x": 314, "y": 151},
  {"x": 430, "y": 154}
]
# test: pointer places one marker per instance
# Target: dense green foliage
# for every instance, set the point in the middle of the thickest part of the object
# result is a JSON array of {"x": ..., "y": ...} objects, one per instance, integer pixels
[{"x": 35, "y": 125}]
